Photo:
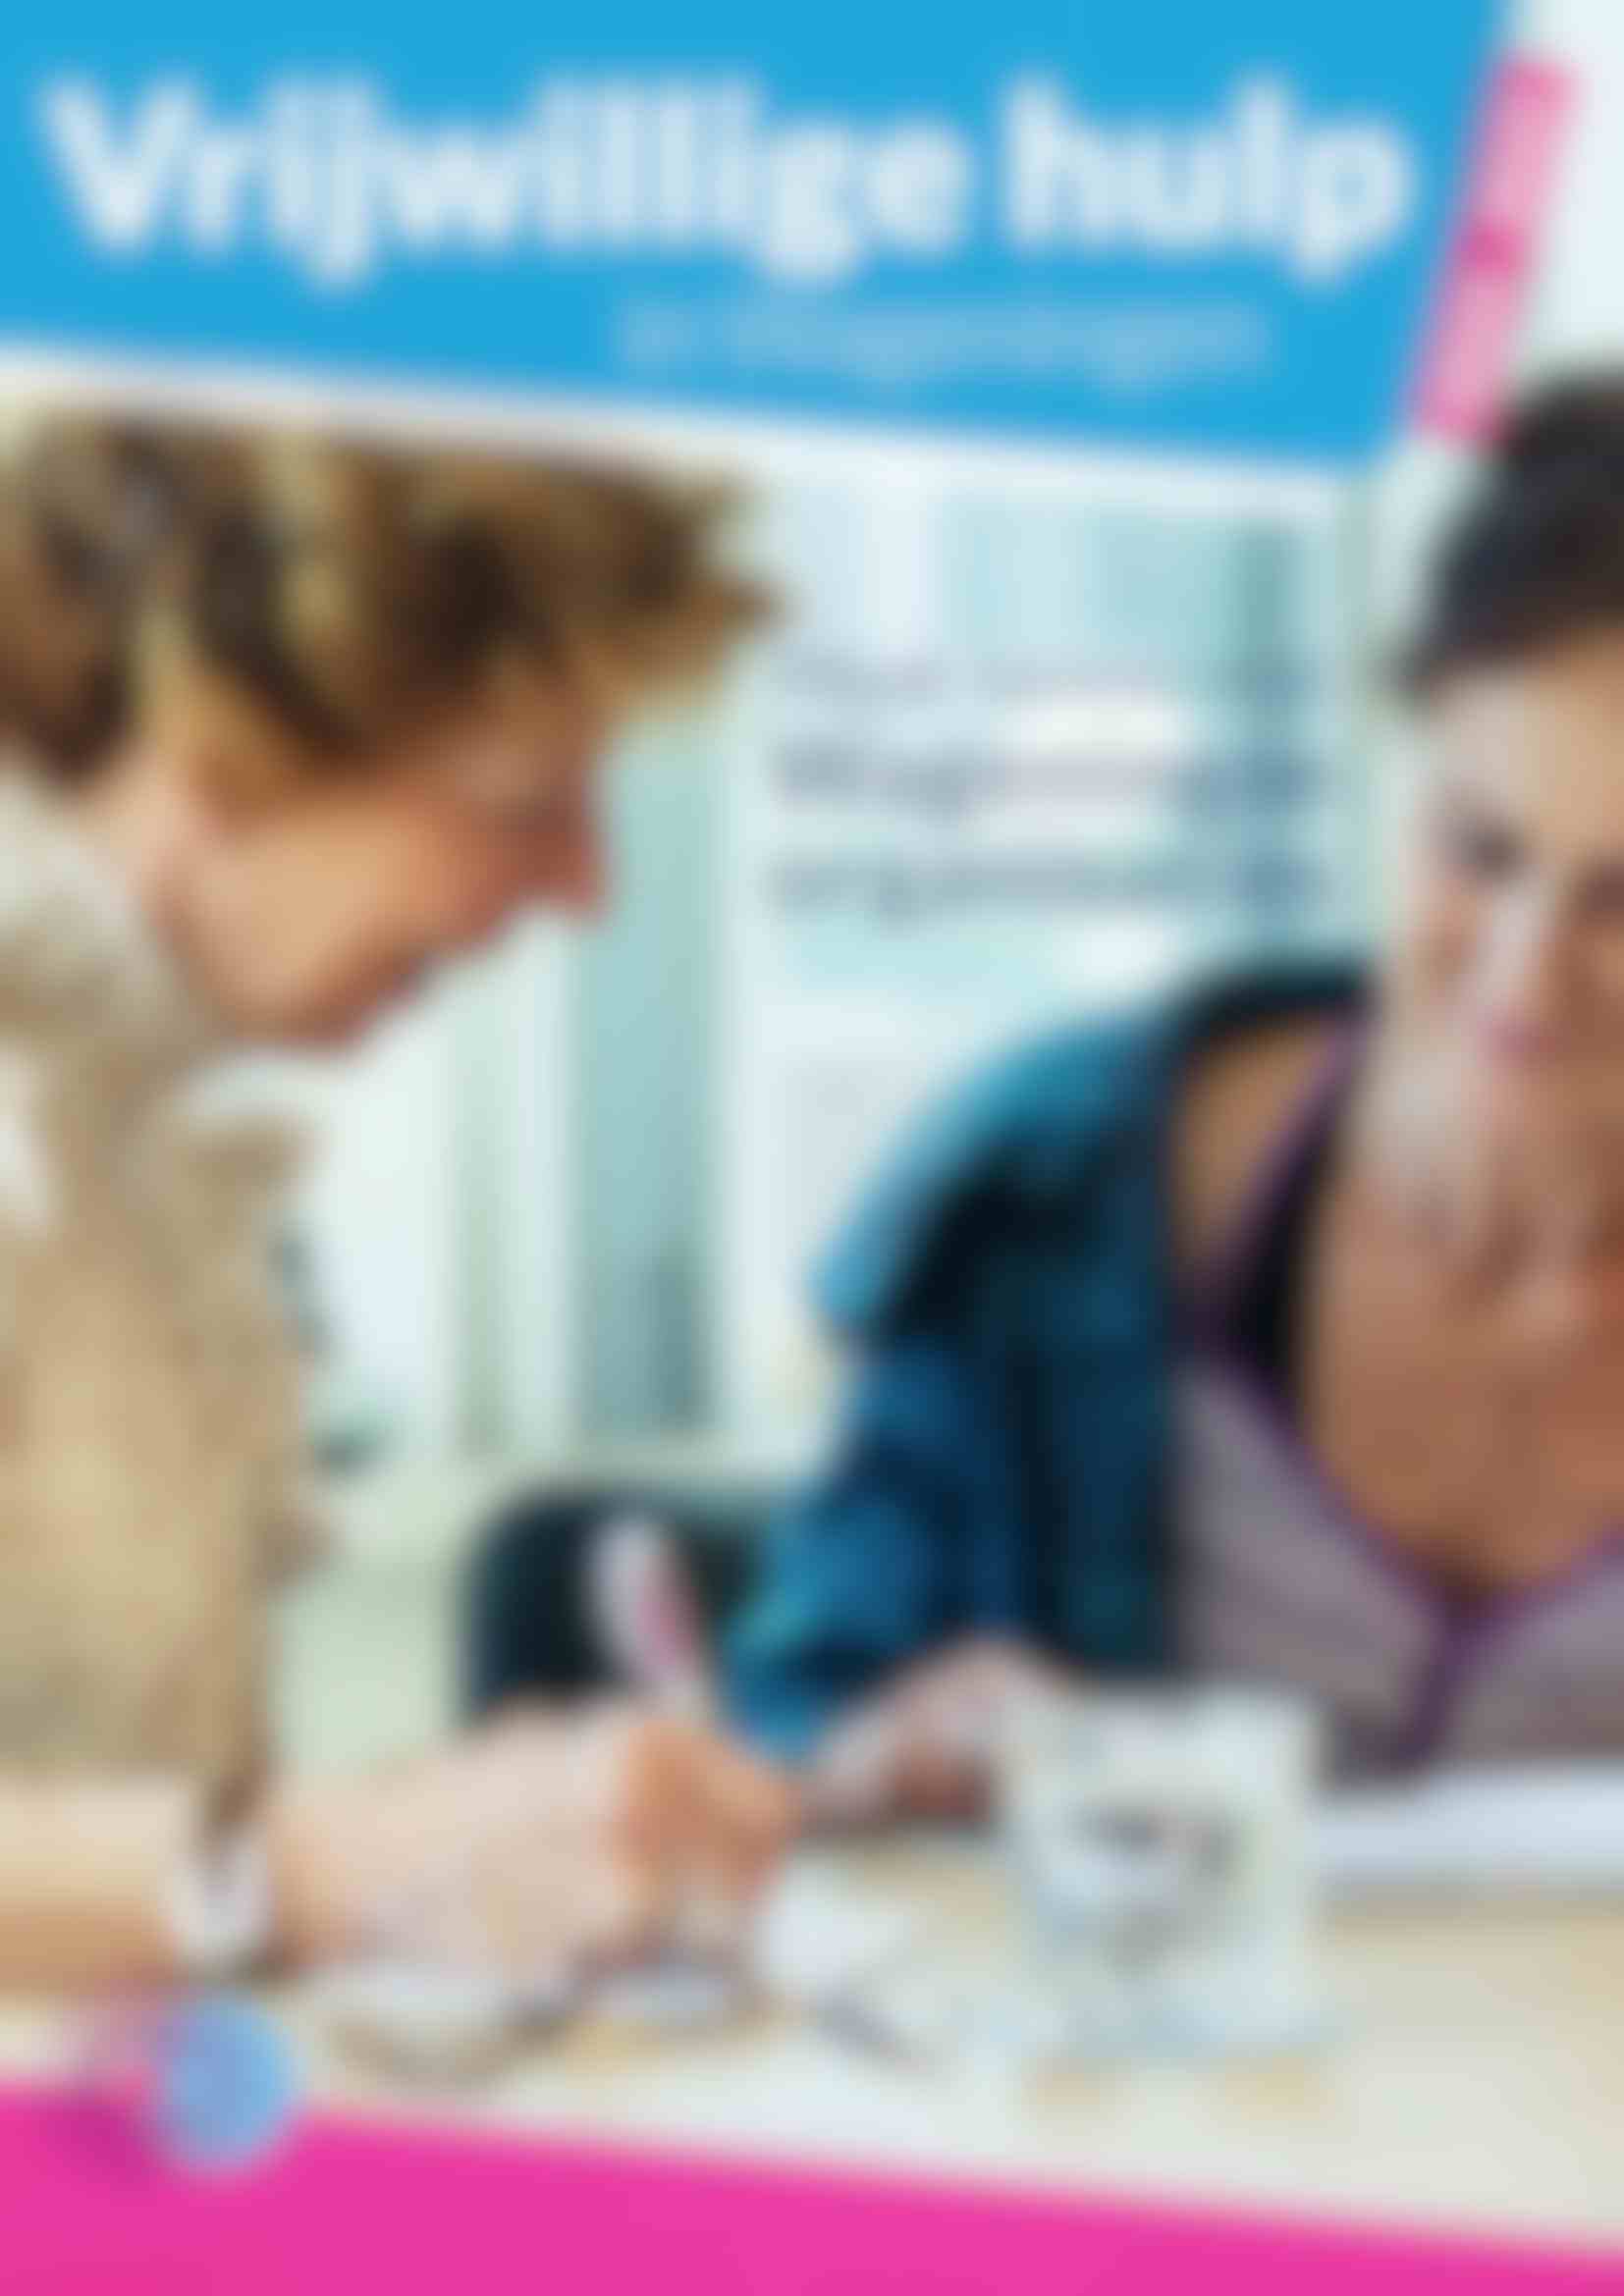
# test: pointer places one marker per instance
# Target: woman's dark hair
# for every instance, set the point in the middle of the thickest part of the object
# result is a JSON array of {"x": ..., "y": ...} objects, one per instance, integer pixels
[{"x": 1537, "y": 557}]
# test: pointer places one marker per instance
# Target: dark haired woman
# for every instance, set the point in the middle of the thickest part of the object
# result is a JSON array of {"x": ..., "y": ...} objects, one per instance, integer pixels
[
  {"x": 1279, "y": 1334},
  {"x": 288, "y": 721}
]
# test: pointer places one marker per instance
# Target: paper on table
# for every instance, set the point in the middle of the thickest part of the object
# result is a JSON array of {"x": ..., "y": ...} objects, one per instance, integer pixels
[
  {"x": 1539, "y": 1829},
  {"x": 820, "y": 1932}
]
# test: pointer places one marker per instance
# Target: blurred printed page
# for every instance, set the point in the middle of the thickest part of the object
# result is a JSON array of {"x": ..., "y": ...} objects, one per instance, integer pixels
[{"x": 1547, "y": 1829}]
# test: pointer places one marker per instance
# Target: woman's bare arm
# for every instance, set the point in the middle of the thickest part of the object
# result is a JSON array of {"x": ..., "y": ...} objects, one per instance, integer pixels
[
  {"x": 85, "y": 1873},
  {"x": 560, "y": 1838},
  {"x": 93, "y": 1872}
]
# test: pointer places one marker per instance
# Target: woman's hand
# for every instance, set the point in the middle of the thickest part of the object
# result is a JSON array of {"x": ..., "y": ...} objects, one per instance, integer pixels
[
  {"x": 923, "y": 1746},
  {"x": 546, "y": 1840}
]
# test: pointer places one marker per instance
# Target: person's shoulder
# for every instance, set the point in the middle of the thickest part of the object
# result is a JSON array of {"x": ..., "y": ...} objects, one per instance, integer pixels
[{"x": 1045, "y": 1123}]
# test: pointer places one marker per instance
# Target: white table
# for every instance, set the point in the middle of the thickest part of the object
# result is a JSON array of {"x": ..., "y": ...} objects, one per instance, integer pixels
[{"x": 1478, "y": 2083}]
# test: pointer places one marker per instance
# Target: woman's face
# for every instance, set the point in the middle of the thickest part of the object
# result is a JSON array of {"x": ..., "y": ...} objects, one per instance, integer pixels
[
  {"x": 307, "y": 919},
  {"x": 1509, "y": 969}
]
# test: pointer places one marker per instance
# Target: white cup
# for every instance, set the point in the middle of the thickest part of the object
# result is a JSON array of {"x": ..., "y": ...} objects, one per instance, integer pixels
[{"x": 1160, "y": 1843}]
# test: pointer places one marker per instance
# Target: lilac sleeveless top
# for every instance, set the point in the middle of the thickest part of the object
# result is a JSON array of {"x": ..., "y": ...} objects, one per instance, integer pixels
[{"x": 1279, "y": 1580}]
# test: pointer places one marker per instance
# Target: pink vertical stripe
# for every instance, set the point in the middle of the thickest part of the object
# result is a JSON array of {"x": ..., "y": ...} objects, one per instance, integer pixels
[
  {"x": 358, "y": 2209},
  {"x": 1510, "y": 185}
]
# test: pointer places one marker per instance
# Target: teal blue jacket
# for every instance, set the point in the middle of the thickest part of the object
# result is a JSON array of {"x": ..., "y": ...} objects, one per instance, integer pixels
[{"x": 1002, "y": 1460}]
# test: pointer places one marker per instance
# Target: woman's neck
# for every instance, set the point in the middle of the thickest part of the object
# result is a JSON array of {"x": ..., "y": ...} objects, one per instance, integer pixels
[
  {"x": 1492, "y": 1198},
  {"x": 135, "y": 817}
]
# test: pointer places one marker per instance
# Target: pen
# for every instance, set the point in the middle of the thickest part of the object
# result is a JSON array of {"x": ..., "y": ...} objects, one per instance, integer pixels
[{"x": 644, "y": 1605}]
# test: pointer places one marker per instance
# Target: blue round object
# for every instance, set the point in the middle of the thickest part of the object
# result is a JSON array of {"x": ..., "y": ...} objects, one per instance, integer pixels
[{"x": 227, "y": 2084}]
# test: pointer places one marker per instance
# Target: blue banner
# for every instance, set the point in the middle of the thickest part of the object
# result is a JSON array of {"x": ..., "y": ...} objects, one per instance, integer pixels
[{"x": 1167, "y": 224}]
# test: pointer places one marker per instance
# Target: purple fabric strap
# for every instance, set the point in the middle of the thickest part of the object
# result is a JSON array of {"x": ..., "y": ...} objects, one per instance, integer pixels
[{"x": 1282, "y": 1578}]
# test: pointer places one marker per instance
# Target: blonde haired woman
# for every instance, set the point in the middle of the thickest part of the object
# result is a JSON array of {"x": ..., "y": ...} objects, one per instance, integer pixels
[{"x": 291, "y": 719}]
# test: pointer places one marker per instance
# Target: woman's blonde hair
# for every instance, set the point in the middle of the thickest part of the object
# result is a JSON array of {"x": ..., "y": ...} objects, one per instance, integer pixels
[{"x": 328, "y": 594}]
